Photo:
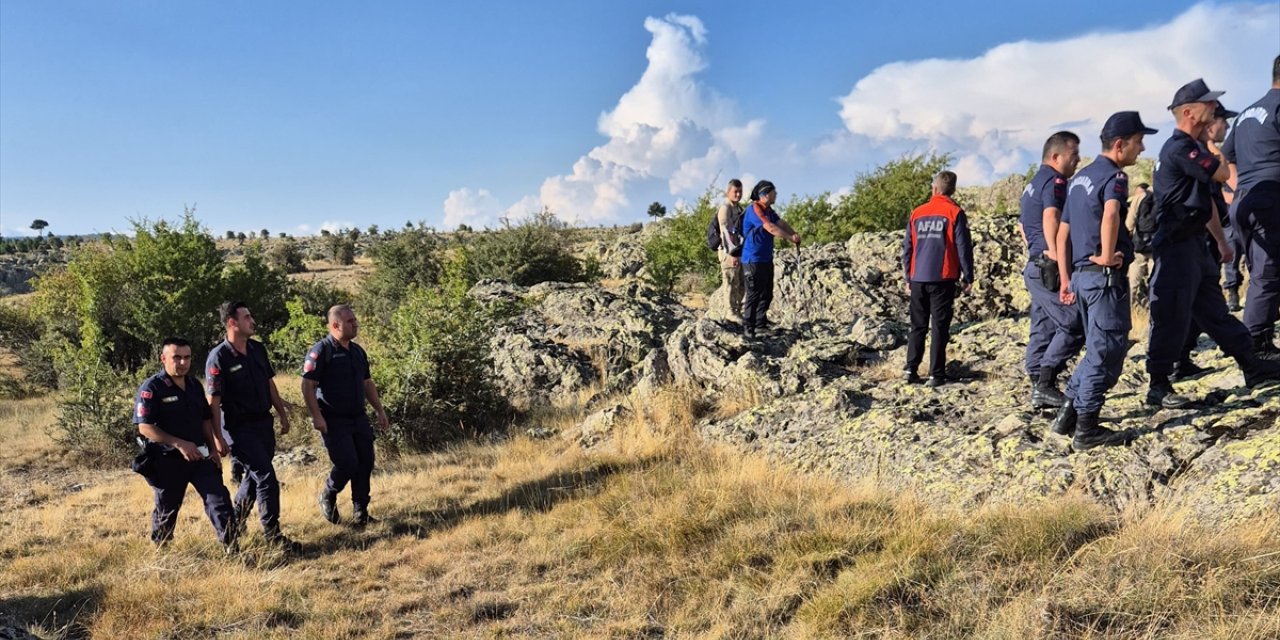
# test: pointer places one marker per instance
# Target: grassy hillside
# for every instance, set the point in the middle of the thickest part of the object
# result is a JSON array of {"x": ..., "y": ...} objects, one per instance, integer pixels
[{"x": 655, "y": 534}]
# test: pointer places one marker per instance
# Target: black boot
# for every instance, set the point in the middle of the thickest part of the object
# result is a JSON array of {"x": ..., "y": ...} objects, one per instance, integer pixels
[
  {"x": 1264, "y": 346},
  {"x": 1186, "y": 370},
  {"x": 1045, "y": 394},
  {"x": 328, "y": 506},
  {"x": 1258, "y": 371},
  {"x": 1233, "y": 299},
  {"x": 1064, "y": 424},
  {"x": 1090, "y": 435},
  {"x": 1161, "y": 394}
]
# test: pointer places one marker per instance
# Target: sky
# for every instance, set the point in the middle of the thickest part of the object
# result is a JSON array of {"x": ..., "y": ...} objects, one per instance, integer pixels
[{"x": 298, "y": 116}]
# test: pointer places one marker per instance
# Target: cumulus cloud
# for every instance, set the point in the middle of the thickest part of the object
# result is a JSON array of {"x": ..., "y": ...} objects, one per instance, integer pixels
[
  {"x": 474, "y": 208},
  {"x": 994, "y": 111}
]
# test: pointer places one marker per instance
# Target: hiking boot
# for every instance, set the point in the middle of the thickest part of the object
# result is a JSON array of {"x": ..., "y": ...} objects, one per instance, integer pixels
[
  {"x": 1161, "y": 394},
  {"x": 283, "y": 543},
  {"x": 361, "y": 517},
  {"x": 911, "y": 377},
  {"x": 1064, "y": 424},
  {"x": 1264, "y": 346},
  {"x": 935, "y": 381},
  {"x": 1258, "y": 371},
  {"x": 1233, "y": 299},
  {"x": 1089, "y": 434},
  {"x": 1186, "y": 370},
  {"x": 328, "y": 506},
  {"x": 1045, "y": 394}
]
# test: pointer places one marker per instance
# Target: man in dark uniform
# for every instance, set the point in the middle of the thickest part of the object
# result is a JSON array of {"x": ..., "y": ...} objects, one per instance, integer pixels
[
  {"x": 181, "y": 446},
  {"x": 1184, "y": 283},
  {"x": 937, "y": 256},
  {"x": 1093, "y": 241},
  {"x": 1253, "y": 149},
  {"x": 241, "y": 392},
  {"x": 1057, "y": 333},
  {"x": 1216, "y": 135},
  {"x": 335, "y": 385}
]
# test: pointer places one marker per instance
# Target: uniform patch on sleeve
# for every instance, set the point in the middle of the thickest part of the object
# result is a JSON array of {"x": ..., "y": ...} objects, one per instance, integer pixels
[
  {"x": 313, "y": 355},
  {"x": 142, "y": 410},
  {"x": 309, "y": 366},
  {"x": 146, "y": 395},
  {"x": 1206, "y": 163},
  {"x": 213, "y": 371},
  {"x": 1195, "y": 153}
]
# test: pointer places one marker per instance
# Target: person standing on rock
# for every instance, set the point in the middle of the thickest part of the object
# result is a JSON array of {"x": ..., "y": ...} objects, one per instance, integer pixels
[
  {"x": 1253, "y": 151},
  {"x": 937, "y": 256},
  {"x": 180, "y": 446},
  {"x": 1185, "y": 281},
  {"x": 1093, "y": 241},
  {"x": 1057, "y": 333},
  {"x": 760, "y": 224},
  {"x": 336, "y": 382},
  {"x": 241, "y": 391},
  {"x": 729, "y": 217}
]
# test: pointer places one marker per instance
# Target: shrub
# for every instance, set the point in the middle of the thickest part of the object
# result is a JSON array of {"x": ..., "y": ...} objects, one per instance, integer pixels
[
  {"x": 288, "y": 345},
  {"x": 438, "y": 385},
  {"x": 286, "y": 255},
  {"x": 95, "y": 407},
  {"x": 401, "y": 261},
  {"x": 533, "y": 250},
  {"x": 679, "y": 246},
  {"x": 21, "y": 331},
  {"x": 883, "y": 199}
]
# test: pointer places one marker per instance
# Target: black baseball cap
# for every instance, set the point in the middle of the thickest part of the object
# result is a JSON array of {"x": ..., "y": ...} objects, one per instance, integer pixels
[
  {"x": 1194, "y": 91},
  {"x": 1123, "y": 124},
  {"x": 1223, "y": 112}
]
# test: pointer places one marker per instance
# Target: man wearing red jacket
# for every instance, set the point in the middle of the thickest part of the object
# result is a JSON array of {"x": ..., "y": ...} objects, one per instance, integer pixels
[{"x": 937, "y": 255}]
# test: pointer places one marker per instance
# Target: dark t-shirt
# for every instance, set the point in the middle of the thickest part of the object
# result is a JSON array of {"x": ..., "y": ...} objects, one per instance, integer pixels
[
  {"x": 1047, "y": 189},
  {"x": 340, "y": 375},
  {"x": 1087, "y": 195},
  {"x": 1253, "y": 143},
  {"x": 241, "y": 381},
  {"x": 178, "y": 412}
]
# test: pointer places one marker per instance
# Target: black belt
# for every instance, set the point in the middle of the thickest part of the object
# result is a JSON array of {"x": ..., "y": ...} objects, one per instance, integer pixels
[
  {"x": 245, "y": 418},
  {"x": 1093, "y": 267}
]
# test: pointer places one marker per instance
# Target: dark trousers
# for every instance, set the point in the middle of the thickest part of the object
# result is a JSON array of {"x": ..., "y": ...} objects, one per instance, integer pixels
[
  {"x": 758, "y": 280},
  {"x": 170, "y": 478},
  {"x": 253, "y": 445},
  {"x": 932, "y": 306},
  {"x": 1107, "y": 322},
  {"x": 350, "y": 445},
  {"x": 1232, "y": 277},
  {"x": 1255, "y": 213},
  {"x": 1057, "y": 331},
  {"x": 1184, "y": 286}
]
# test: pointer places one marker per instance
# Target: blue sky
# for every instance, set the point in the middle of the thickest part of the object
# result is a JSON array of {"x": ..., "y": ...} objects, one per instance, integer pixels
[{"x": 295, "y": 116}]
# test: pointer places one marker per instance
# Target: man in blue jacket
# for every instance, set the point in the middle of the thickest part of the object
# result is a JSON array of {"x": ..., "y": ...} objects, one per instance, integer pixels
[
  {"x": 760, "y": 224},
  {"x": 937, "y": 256}
]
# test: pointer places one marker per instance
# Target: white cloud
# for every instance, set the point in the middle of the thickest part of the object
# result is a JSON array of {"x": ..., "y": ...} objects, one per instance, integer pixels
[
  {"x": 474, "y": 208},
  {"x": 994, "y": 111}
]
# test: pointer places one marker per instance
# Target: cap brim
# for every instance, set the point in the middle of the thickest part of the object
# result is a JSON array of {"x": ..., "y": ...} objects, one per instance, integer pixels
[
  {"x": 1149, "y": 130},
  {"x": 1226, "y": 114}
]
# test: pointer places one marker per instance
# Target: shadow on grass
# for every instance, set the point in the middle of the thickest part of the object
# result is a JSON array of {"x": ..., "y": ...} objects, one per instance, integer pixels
[{"x": 62, "y": 613}]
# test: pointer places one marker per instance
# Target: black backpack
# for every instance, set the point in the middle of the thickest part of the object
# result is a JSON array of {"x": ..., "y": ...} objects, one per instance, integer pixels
[
  {"x": 713, "y": 234},
  {"x": 1144, "y": 226}
]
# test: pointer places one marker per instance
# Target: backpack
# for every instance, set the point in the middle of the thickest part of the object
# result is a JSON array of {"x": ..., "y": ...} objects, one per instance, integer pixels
[
  {"x": 1144, "y": 226},
  {"x": 714, "y": 239}
]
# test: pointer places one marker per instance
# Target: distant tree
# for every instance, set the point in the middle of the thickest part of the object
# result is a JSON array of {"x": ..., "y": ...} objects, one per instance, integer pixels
[
  {"x": 39, "y": 225},
  {"x": 264, "y": 234},
  {"x": 324, "y": 233},
  {"x": 372, "y": 230},
  {"x": 231, "y": 235},
  {"x": 282, "y": 235},
  {"x": 353, "y": 234},
  {"x": 465, "y": 228},
  {"x": 241, "y": 237},
  {"x": 656, "y": 210}
]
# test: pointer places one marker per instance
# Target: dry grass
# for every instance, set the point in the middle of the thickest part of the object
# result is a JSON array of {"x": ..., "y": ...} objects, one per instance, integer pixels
[{"x": 659, "y": 534}]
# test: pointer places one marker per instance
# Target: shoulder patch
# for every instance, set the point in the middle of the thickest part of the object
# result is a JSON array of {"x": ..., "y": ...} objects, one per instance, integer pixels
[
  {"x": 309, "y": 366},
  {"x": 1059, "y": 180},
  {"x": 146, "y": 395},
  {"x": 314, "y": 355},
  {"x": 213, "y": 371},
  {"x": 142, "y": 410},
  {"x": 1195, "y": 153}
]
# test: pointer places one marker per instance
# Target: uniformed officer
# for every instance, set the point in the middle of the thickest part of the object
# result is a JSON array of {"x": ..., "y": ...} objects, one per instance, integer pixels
[
  {"x": 1224, "y": 196},
  {"x": 335, "y": 385},
  {"x": 1057, "y": 333},
  {"x": 1253, "y": 149},
  {"x": 241, "y": 392},
  {"x": 181, "y": 446},
  {"x": 1093, "y": 242},
  {"x": 1184, "y": 283}
]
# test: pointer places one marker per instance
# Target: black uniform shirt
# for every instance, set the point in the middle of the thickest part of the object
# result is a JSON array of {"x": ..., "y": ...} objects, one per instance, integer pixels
[
  {"x": 340, "y": 374},
  {"x": 1183, "y": 185},
  {"x": 1254, "y": 142},
  {"x": 240, "y": 380},
  {"x": 178, "y": 412}
]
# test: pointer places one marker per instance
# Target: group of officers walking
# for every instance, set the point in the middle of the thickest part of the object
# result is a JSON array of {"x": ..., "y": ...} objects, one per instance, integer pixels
[{"x": 186, "y": 428}]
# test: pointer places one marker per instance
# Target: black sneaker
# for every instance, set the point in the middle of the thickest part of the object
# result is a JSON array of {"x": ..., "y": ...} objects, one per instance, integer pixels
[
  {"x": 328, "y": 507},
  {"x": 1187, "y": 370},
  {"x": 1162, "y": 395},
  {"x": 911, "y": 377},
  {"x": 935, "y": 381}
]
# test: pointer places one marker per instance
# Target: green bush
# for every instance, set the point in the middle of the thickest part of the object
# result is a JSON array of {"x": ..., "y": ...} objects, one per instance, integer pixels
[
  {"x": 286, "y": 255},
  {"x": 881, "y": 200},
  {"x": 95, "y": 407},
  {"x": 679, "y": 246},
  {"x": 288, "y": 345},
  {"x": 438, "y": 383},
  {"x": 814, "y": 218},
  {"x": 21, "y": 331},
  {"x": 402, "y": 260},
  {"x": 533, "y": 250}
]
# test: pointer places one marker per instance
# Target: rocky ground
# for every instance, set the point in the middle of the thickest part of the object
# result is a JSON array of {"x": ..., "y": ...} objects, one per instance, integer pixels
[{"x": 824, "y": 394}]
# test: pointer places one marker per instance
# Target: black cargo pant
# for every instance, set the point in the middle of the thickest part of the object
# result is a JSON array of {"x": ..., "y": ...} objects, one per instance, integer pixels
[
  {"x": 253, "y": 445},
  {"x": 758, "y": 280},
  {"x": 349, "y": 442},
  {"x": 932, "y": 306}
]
